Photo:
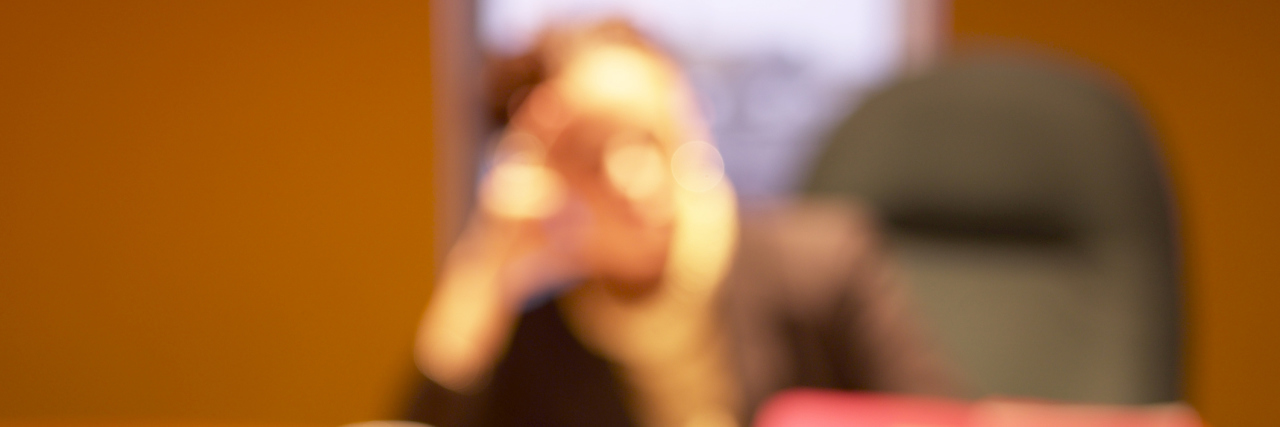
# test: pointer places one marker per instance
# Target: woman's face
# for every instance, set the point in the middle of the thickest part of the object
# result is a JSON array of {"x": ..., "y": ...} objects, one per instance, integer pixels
[
  {"x": 619, "y": 193},
  {"x": 605, "y": 124}
]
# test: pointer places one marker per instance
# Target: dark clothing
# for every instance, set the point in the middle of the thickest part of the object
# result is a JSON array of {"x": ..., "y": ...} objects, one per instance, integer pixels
[{"x": 809, "y": 302}]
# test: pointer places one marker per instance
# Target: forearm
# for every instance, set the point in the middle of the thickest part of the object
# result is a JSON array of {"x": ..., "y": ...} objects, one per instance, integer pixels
[{"x": 470, "y": 315}]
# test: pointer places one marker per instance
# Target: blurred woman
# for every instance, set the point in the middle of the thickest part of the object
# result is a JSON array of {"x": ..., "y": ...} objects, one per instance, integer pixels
[{"x": 608, "y": 276}]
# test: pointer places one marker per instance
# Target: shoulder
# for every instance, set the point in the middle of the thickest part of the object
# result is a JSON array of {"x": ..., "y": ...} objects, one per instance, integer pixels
[{"x": 811, "y": 249}]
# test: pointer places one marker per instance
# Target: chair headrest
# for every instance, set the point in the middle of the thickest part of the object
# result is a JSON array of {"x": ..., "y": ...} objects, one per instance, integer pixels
[{"x": 994, "y": 147}]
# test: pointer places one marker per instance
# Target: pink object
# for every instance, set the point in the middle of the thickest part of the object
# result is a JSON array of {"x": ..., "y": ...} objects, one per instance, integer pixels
[{"x": 826, "y": 408}]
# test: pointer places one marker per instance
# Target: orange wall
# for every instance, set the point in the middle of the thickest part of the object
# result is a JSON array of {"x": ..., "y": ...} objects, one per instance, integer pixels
[
  {"x": 1208, "y": 72},
  {"x": 212, "y": 210}
]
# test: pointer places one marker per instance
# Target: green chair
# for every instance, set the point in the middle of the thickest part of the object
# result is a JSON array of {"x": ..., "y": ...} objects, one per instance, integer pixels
[{"x": 1032, "y": 216}]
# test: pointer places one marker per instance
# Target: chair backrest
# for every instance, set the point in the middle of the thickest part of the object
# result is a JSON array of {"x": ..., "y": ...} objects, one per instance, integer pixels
[{"x": 1031, "y": 215}]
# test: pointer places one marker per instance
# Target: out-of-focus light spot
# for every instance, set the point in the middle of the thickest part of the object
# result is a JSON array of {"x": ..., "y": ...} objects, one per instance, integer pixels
[
  {"x": 616, "y": 76},
  {"x": 522, "y": 190},
  {"x": 697, "y": 166},
  {"x": 634, "y": 165}
]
